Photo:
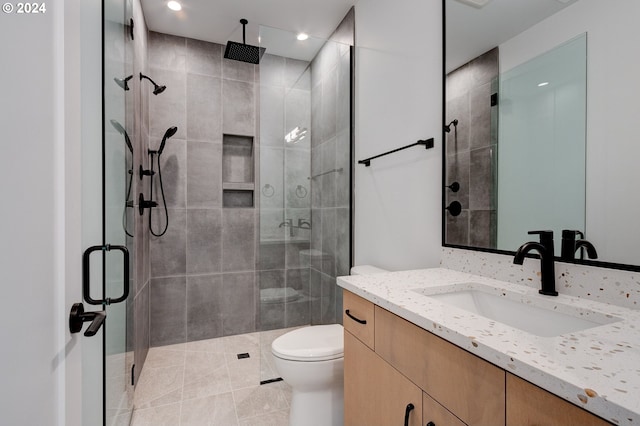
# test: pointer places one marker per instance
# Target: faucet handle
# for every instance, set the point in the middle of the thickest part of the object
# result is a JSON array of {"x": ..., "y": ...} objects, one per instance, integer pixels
[{"x": 546, "y": 237}]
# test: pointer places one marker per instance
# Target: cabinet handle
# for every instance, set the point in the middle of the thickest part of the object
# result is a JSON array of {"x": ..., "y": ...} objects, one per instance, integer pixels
[
  {"x": 354, "y": 318},
  {"x": 431, "y": 424},
  {"x": 407, "y": 411}
]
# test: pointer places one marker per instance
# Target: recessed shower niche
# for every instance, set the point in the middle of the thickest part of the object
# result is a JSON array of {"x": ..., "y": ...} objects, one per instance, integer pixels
[{"x": 237, "y": 171}]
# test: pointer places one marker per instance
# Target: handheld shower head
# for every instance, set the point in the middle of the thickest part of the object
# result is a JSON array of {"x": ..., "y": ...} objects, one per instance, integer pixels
[
  {"x": 156, "y": 89},
  {"x": 169, "y": 133},
  {"x": 123, "y": 82},
  {"x": 123, "y": 132}
]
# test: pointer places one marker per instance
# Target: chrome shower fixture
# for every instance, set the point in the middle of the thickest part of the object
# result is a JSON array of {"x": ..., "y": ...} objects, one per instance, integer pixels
[
  {"x": 454, "y": 123},
  {"x": 156, "y": 89},
  {"x": 123, "y": 82}
]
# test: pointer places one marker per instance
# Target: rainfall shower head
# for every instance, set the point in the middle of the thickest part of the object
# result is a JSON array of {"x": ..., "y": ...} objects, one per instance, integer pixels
[
  {"x": 156, "y": 89},
  {"x": 123, "y": 132},
  {"x": 123, "y": 82},
  {"x": 242, "y": 51},
  {"x": 170, "y": 132}
]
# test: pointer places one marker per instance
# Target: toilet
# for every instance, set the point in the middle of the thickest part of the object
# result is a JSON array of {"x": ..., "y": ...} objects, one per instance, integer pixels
[{"x": 311, "y": 361}]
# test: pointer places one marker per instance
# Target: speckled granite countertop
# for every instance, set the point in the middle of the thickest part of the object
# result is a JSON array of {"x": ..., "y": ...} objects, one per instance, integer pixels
[{"x": 597, "y": 369}]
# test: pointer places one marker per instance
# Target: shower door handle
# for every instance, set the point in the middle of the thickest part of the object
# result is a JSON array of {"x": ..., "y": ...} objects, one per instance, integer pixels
[{"x": 86, "y": 275}]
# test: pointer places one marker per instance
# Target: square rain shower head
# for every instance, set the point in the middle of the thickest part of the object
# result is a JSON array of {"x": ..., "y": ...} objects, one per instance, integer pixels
[{"x": 244, "y": 52}]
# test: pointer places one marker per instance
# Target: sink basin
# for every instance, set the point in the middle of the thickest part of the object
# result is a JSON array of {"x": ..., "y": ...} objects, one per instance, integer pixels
[{"x": 539, "y": 315}]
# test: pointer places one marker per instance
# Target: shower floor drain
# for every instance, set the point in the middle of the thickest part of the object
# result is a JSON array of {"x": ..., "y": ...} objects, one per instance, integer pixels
[{"x": 243, "y": 356}]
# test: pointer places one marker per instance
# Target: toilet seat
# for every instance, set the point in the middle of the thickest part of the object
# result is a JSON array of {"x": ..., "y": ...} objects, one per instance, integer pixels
[{"x": 315, "y": 343}]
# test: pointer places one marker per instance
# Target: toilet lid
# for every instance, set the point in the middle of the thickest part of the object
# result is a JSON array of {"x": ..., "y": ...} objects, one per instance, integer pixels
[{"x": 315, "y": 343}]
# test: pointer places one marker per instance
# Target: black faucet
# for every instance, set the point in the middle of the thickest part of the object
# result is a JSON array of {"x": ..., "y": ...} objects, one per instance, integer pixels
[
  {"x": 570, "y": 245},
  {"x": 545, "y": 248}
]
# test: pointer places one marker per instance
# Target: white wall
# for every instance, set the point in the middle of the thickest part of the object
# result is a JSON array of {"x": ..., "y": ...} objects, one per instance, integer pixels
[
  {"x": 40, "y": 132},
  {"x": 398, "y": 101},
  {"x": 613, "y": 87}
]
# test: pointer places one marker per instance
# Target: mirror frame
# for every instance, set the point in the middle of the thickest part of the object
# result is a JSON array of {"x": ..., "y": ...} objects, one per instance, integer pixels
[{"x": 594, "y": 263}]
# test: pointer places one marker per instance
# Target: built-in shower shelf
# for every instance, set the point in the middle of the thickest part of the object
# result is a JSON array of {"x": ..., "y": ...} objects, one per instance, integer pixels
[{"x": 239, "y": 186}]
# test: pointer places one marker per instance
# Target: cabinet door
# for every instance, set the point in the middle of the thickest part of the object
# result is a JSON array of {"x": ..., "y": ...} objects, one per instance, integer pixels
[
  {"x": 465, "y": 384},
  {"x": 358, "y": 317},
  {"x": 434, "y": 414},
  {"x": 374, "y": 392},
  {"x": 529, "y": 405}
]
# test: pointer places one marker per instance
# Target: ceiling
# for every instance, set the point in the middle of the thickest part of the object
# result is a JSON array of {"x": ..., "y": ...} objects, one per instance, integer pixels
[
  {"x": 218, "y": 20},
  {"x": 472, "y": 31}
]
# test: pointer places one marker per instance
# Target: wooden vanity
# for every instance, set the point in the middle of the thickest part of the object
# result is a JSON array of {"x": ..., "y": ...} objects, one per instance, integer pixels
[{"x": 398, "y": 373}]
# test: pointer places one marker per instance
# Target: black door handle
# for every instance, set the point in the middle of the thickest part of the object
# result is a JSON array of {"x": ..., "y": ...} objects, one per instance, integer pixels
[
  {"x": 408, "y": 411},
  {"x": 78, "y": 317},
  {"x": 354, "y": 318},
  {"x": 86, "y": 275},
  {"x": 431, "y": 424}
]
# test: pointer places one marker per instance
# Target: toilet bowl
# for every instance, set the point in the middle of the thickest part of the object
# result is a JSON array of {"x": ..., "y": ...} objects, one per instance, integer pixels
[{"x": 310, "y": 360}]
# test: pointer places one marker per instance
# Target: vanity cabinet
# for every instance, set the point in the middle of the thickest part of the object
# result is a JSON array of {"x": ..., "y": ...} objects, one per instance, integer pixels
[
  {"x": 375, "y": 393},
  {"x": 390, "y": 362},
  {"x": 529, "y": 405}
]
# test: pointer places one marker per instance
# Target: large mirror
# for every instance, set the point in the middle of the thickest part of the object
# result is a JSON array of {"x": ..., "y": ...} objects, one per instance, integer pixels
[{"x": 540, "y": 100}]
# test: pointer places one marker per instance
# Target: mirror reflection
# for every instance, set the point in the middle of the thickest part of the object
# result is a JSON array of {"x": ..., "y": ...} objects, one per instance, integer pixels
[{"x": 527, "y": 148}]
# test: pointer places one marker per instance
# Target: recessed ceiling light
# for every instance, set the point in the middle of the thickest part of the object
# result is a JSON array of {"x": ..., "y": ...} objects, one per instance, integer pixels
[
  {"x": 302, "y": 36},
  {"x": 544, "y": 83},
  {"x": 174, "y": 5}
]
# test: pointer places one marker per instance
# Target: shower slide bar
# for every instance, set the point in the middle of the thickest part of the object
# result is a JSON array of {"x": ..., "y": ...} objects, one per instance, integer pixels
[
  {"x": 326, "y": 173},
  {"x": 428, "y": 143}
]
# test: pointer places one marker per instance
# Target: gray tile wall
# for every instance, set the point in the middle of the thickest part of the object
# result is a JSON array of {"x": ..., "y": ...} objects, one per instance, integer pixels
[
  {"x": 203, "y": 279},
  {"x": 330, "y": 193},
  {"x": 139, "y": 94},
  {"x": 285, "y": 103},
  {"x": 471, "y": 151}
]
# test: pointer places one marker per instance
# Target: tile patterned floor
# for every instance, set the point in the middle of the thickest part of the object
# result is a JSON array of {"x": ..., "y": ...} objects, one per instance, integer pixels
[{"x": 204, "y": 383}]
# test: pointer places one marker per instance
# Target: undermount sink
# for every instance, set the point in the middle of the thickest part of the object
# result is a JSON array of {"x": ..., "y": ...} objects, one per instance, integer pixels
[{"x": 539, "y": 315}]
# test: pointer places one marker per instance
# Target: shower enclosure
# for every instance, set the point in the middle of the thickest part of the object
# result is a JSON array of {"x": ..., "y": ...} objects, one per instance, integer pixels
[{"x": 257, "y": 183}]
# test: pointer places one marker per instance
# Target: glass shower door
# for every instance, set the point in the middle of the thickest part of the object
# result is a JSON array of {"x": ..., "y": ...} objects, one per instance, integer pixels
[{"x": 118, "y": 223}]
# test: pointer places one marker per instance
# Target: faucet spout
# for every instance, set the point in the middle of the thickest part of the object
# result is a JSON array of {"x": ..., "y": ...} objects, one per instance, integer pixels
[
  {"x": 591, "y": 250},
  {"x": 545, "y": 249}
]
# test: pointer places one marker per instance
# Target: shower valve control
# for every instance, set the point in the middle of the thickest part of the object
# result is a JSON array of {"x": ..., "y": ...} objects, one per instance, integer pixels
[
  {"x": 145, "y": 204},
  {"x": 145, "y": 172}
]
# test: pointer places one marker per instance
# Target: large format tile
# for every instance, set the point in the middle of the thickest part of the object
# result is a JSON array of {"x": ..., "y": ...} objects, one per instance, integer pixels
[
  {"x": 168, "y": 311},
  {"x": 204, "y": 307},
  {"x": 204, "y": 58},
  {"x": 165, "y": 415},
  {"x": 204, "y": 108},
  {"x": 159, "y": 386},
  {"x": 272, "y": 70},
  {"x": 205, "y": 375},
  {"x": 258, "y": 400},
  {"x": 237, "y": 70},
  {"x": 211, "y": 410},
  {"x": 169, "y": 107},
  {"x": 238, "y": 240},
  {"x": 238, "y": 109},
  {"x": 173, "y": 163},
  {"x": 238, "y": 303},
  {"x": 272, "y": 128},
  {"x": 204, "y": 241},
  {"x": 166, "y": 51},
  {"x": 168, "y": 252},
  {"x": 204, "y": 176}
]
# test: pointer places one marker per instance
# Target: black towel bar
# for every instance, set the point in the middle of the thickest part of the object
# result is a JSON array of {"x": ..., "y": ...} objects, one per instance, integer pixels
[{"x": 427, "y": 144}]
